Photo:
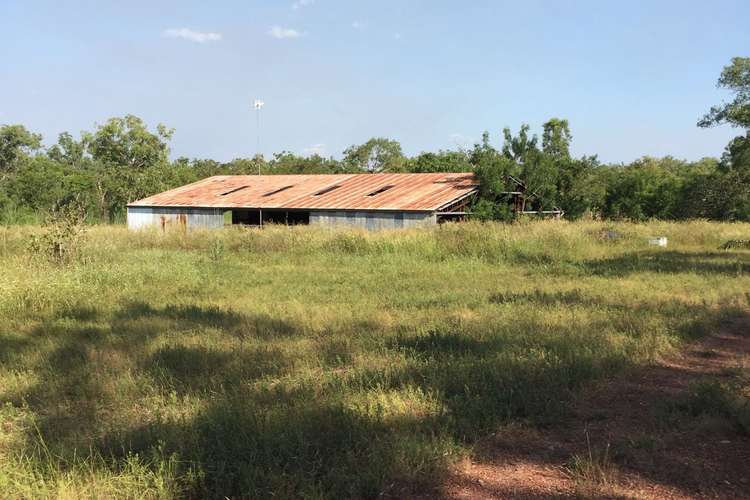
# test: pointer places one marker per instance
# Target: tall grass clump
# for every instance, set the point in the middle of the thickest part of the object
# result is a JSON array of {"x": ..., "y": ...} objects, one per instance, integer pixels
[
  {"x": 62, "y": 234},
  {"x": 730, "y": 400}
]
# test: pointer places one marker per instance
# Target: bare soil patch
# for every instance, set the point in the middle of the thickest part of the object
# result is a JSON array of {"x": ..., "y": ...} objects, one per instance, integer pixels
[{"x": 625, "y": 438}]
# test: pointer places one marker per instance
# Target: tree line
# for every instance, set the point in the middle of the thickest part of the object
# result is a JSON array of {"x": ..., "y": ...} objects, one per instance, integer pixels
[{"x": 123, "y": 160}]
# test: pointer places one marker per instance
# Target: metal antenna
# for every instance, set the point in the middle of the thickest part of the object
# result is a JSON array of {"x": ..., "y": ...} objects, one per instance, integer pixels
[{"x": 258, "y": 105}]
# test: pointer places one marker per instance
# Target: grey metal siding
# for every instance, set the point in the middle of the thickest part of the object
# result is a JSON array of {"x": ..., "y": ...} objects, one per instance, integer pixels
[
  {"x": 141, "y": 217},
  {"x": 372, "y": 220}
]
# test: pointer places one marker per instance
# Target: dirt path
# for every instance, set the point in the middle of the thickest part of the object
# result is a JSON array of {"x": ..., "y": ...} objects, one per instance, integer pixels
[{"x": 633, "y": 437}]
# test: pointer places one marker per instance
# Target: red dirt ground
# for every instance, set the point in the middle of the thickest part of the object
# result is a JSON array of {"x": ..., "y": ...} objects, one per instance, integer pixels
[{"x": 652, "y": 453}]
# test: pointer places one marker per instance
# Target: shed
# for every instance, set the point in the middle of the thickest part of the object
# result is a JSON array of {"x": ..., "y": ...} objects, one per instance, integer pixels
[{"x": 371, "y": 201}]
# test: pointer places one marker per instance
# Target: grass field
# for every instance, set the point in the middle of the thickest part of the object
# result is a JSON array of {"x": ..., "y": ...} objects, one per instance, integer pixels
[{"x": 307, "y": 362}]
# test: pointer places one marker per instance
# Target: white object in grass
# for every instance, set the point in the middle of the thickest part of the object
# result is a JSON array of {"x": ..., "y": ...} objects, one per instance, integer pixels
[{"x": 661, "y": 241}]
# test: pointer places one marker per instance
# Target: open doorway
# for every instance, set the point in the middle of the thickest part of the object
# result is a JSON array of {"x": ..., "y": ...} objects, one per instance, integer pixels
[
  {"x": 259, "y": 217},
  {"x": 246, "y": 217}
]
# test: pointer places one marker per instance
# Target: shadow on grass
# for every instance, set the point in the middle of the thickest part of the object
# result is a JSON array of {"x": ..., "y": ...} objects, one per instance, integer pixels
[
  {"x": 704, "y": 318},
  {"x": 627, "y": 415},
  {"x": 440, "y": 344},
  {"x": 722, "y": 263},
  {"x": 13, "y": 345},
  {"x": 291, "y": 448},
  {"x": 541, "y": 297},
  {"x": 307, "y": 443},
  {"x": 79, "y": 312},
  {"x": 190, "y": 317},
  {"x": 197, "y": 369},
  {"x": 88, "y": 368},
  {"x": 299, "y": 438}
]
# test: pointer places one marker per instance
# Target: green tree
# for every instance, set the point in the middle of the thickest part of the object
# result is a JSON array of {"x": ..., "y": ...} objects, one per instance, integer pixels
[
  {"x": 41, "y": 184},
  {"x": 645, "y": 189},
  {"x": 737, "y": 154},
  {"x": 576, "y": 191},
  {"x": 290, "y": 163},
  {"x": 38, "y": 183},
  {"x": 709, "y": 192},
  {"x": 732, "y": 191},
  {"x": 376, "y": 155},
  {"x": 494, "y": 172},
  {"x": 15, "y": 143},
  {"x": 556, "y": 138},
  {"x": 245, "y": 166},
  {"x": 736, "y": 78},
  {"x": 536, "y": 171},
  {"x": 127, "y": 142},
  {"x": 442, "y": 161},
  {"x": 520, "y": 147},
  {"x": 67, "y": 150},
  {"x": 578, "y": 188}
]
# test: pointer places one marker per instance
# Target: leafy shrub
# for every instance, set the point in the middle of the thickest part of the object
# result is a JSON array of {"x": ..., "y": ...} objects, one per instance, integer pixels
[
  {"x": 63, "y": 232},
  {"x": 723, "y": 399}
]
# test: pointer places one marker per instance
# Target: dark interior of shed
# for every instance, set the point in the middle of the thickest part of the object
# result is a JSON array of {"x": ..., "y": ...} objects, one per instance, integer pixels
[{"x": 259, "y": 217}]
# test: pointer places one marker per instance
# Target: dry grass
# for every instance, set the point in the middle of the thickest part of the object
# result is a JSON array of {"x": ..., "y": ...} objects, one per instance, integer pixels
[
  {"x": 306, "y": 362},
  {"x": 593, "y": 471}
]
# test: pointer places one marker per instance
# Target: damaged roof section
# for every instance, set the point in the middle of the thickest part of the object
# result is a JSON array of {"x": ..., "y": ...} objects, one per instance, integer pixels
[{"x": 417, "y": 192}]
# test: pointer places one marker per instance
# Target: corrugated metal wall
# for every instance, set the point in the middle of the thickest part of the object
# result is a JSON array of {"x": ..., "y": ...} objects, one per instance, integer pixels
[
  {"x": 140, "y": 217},
  {"x": 372, "y": 220}
]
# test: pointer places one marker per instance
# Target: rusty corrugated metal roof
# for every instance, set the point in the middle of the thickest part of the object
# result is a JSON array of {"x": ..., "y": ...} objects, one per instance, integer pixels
[{"x": 418, "y": 192}]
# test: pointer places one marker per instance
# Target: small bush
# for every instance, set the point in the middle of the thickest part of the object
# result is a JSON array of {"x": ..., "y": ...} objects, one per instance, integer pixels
[
  {"x": 63, "y": 231},
  {"x": 728, "y": 400}
]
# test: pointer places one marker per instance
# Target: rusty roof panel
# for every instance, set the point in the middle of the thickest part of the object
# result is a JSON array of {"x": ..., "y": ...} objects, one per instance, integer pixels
[{"x": 417, "y": 192}]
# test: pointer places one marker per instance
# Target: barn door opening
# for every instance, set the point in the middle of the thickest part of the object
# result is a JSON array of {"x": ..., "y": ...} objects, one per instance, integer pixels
[
  {"x": 286, "y": 217},
  {"x": 246, "y": 217},
  {"x": 257, "y": 217}
]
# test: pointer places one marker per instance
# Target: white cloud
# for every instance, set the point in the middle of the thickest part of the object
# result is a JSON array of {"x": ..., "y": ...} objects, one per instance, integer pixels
[
  {"x": 279, "y": 32},
  {"x": 358, "y": 25},
  {"x": 193, "y": 36},
  {"x": 302, "y": 3},
  {"x": 315, "y": 149}
]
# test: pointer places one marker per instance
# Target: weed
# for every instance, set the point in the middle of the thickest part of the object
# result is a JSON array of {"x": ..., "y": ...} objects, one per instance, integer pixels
[
  {"x": 730, "y": 400},
  {"x": 217, "y": 250},
  {"x": 592, "y": 470},
  {"x": 63, "y": 231}
]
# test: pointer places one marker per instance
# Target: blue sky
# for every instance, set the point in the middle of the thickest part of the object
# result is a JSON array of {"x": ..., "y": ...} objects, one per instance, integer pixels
[{"x": 631, "y": 77}]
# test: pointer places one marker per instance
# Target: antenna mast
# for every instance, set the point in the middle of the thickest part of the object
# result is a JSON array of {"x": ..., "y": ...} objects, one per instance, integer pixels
[{"x": 258, "y": 105}]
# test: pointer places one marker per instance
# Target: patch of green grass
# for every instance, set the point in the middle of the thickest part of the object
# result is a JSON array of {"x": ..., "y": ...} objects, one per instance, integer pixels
[
  {"x": 304, "y": 362},
  {"x": 730, "y": 400}
]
